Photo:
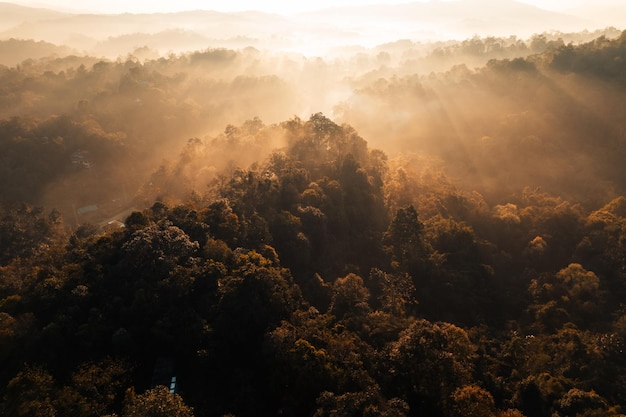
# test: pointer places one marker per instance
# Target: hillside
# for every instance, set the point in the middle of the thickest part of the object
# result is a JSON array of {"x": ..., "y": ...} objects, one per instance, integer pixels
[
  {"x": 405, "y": 229},
  {"x": 312, "y": 33}
]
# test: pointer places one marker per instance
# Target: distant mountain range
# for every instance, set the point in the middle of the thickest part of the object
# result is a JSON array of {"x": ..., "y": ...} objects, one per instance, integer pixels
[{"x": 114, "y": 35}]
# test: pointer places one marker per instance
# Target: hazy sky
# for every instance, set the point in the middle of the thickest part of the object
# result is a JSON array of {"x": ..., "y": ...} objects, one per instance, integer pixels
[{"x": 274, "y": 6}]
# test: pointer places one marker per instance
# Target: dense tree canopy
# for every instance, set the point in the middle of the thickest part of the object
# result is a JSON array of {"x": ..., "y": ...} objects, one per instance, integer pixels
[{"x": 292, "y": 268}]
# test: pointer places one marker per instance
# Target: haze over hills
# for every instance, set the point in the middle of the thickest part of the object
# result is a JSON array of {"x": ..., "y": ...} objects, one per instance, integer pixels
[
  {"x": 454, "y": 19},
  {"x": 12, "y": 14},
  {"x": 412, "y": 209},
  {"x": 309, "y": 33}
]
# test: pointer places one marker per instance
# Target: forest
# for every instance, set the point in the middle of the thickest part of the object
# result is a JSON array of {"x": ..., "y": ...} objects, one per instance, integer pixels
[{"x": 408, "y": 230}]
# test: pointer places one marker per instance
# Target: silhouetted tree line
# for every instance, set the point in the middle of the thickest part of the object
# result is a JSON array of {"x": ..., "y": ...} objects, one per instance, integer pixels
[
  {"x": 601, "y": 57},
  {"x": 513, "y": 114},
  {"x": 546, "y": 120}
]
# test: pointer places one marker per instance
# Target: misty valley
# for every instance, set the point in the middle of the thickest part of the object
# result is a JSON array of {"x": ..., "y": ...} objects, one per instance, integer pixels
[{"x": 410, "y": 228}]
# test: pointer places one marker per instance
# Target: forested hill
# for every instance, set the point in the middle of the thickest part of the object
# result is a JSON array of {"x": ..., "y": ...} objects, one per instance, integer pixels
[{"x": 298, "y": 267}]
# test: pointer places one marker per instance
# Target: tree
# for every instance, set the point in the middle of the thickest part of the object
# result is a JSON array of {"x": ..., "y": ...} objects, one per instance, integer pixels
[
  {"x": 405, "y": 242},
  {"x": 254, "y": 297},
  {"x": 577, "y": 402},
  {"x": 26, "y": 230},
  {"x": 291, "y": 243},
  {"x": 311, "y": 354},
  {"x": 460, "y": 278},
  {"x": 102, "y": 384},
  {"x": 350, "y": 298},
  {"x": 396, "y": 292},
  {"x": 156, "y": 402},
  {"x": 472, "y": 401},
  {"x": 31, "y": 393},
  {"x": 369, "y": 403},
  {"x": 223, "y": 222},
  {"x": 155, "y": 250},
  {"x": 573, "y": 291},
  {"x": 428, "y": 362}
]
